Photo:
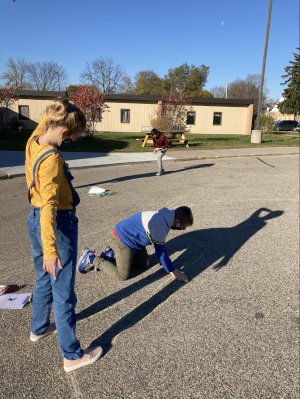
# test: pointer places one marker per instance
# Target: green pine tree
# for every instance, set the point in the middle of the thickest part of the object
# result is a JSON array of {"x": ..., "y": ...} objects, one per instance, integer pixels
[{"x": 291, "y": 94}]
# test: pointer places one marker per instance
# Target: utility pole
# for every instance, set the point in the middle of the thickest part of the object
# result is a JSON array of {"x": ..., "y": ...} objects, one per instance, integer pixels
[{"x": 262, "y": 77}]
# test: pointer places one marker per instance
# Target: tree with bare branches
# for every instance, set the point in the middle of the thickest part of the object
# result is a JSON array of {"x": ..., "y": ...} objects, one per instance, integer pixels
[
  {"x": 16, "y": 74},
  {"x": 47, "y": 76},
  {"x": 104, "y": 74},
  {"x": 127, "y": 85},
  {"x": 247, "y": 88},
  {"x": 218, "y": 91}
]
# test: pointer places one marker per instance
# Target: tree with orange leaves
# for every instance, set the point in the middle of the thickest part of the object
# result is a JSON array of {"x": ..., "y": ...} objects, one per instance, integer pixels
[{"x": 92, "y": 103}]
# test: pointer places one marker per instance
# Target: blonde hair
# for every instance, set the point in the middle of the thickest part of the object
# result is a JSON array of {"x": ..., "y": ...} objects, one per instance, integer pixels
[{"x": 64, "y": 113}]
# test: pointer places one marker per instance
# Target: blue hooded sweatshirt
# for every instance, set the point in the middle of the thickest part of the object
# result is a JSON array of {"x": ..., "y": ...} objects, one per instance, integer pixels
[{"x": 146, "y": 228}]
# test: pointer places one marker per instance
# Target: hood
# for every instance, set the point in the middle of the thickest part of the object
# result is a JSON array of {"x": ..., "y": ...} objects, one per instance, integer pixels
[
  {"x": 157, "y": 224},
  {"x": 168, "y": 215}
]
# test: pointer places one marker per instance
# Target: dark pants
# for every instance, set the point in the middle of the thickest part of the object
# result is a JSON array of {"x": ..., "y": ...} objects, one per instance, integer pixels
[{"x": 126, "y": 259}]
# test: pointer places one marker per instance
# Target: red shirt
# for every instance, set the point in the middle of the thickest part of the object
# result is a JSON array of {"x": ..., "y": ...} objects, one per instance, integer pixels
[{"x": 160, "y": 142}]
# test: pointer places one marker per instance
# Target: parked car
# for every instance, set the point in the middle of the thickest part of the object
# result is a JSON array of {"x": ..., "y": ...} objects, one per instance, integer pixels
[
  {"x": 285, "y": 125},
  {"x": 297, "y": 128}
]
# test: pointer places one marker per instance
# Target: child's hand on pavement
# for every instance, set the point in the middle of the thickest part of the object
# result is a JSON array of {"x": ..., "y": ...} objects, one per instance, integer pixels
[{"x": 180, "y": 276}]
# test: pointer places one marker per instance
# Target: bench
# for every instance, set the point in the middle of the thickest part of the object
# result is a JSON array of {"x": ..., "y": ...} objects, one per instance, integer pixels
[{"x": 173, "y": 139}]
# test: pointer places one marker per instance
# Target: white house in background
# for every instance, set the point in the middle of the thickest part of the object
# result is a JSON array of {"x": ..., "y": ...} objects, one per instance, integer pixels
[
  {"x": 130, "y": 113},
  {"x": 278, "y": 116}
]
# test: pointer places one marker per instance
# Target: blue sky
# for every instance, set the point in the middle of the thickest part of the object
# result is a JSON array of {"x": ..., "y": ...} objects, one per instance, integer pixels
[{"x": 226, "y": 35}]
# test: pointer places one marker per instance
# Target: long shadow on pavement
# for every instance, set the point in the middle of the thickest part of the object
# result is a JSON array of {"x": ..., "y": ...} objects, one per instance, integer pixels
[
  {"x": 201, "y": 249},
  {"x": 142, "y": 175}
]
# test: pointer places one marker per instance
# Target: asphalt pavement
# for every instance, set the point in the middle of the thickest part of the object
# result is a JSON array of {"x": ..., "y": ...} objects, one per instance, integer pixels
[{"x": 231, "y": 332}]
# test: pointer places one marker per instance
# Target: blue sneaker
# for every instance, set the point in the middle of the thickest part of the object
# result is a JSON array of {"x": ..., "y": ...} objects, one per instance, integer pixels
[
  {"x": 108, "y": 254},
  {"x": 85, "y": 262}
]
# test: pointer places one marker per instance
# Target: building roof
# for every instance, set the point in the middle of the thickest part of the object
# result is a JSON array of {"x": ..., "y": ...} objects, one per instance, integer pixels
[
  {"x": 41, "y": 94},
  {"x": 123, "y": 97}
]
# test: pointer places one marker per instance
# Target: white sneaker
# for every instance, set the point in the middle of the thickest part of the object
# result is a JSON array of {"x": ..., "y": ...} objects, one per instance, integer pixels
[
  {"x": 90, "y": 356},
  {"x": 51, "y": 330}
]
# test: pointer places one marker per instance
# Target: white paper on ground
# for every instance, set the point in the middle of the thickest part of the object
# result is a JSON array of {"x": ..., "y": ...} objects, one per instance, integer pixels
[
  {"x": 14, "y": 301},
  {"x": 96, "y": 190}
]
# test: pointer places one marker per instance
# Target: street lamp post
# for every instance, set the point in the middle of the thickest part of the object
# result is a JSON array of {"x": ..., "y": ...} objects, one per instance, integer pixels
[{"x": 256, "y": 134}]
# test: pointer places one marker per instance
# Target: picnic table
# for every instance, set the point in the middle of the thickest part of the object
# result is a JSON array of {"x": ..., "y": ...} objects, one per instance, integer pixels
[{"x": 177, "y": 136}]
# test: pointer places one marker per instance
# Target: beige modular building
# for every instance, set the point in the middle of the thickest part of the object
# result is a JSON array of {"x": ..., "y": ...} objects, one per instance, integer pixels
[{"x": 132, "y": 113}]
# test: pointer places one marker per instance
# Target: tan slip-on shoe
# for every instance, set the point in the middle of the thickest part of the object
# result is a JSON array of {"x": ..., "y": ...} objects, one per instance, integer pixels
[
  {"x": 51, "y": 330},
  {"x": 90, "y": 356}
]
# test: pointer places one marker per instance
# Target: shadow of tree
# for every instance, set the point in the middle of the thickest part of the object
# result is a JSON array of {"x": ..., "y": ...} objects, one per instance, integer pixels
[
  {"x": 142, "y": 175},
  {"x": 200, "y": 250}
]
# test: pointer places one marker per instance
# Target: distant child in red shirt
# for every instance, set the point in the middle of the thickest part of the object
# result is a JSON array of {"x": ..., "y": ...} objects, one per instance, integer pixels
[{"x": 160, "y": 145}]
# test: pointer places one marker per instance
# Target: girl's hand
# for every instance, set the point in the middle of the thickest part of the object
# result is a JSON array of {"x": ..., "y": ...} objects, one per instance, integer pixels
[{"x": 50, "y": 266}]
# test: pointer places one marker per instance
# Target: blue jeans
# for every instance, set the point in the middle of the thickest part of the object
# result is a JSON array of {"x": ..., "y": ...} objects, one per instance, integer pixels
[{"x": 60, "y": 291}]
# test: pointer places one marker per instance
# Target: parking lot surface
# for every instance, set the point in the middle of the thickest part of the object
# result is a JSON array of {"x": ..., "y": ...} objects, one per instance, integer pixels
[{"x": 231, "y": 332}]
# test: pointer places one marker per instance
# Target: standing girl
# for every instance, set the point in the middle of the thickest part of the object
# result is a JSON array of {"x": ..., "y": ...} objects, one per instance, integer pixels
[{"x": 53, "y": 230}]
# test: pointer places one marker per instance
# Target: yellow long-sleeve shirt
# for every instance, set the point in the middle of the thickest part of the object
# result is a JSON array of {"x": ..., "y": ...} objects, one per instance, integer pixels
[{"x": 51, "y": 190}]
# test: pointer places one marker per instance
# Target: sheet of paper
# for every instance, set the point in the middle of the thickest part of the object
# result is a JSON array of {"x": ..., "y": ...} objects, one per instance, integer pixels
[
  {"x": 96, "y": 190},
  {"x": 14, "y": 301}
]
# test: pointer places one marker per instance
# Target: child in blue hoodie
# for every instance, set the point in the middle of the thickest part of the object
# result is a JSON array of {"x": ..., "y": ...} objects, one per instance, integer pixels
[{"x": 130, "y": 238}]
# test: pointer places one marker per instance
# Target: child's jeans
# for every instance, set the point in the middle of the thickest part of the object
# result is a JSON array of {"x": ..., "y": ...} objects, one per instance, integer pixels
[{"x": 60, "y": 291}]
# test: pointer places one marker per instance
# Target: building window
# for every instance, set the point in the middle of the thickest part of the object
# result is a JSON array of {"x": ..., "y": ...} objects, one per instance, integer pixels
[
  {"x": 217, "y": 118},
  {"x": 190, "y": 118},
  {"x": 23, "y": 112},
  {"x": 125, "y": 115}
]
